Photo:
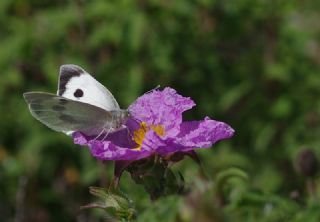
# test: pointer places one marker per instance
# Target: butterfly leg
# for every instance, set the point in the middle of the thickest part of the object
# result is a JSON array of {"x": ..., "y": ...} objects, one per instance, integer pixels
[
  {"x": 99, "y": 134},
  {"x": 107, "y": 129},
  {"x": 129, "y": 134}
]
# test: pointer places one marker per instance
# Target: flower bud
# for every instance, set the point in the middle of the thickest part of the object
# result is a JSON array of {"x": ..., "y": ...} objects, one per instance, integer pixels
[{"x": 114, "y": 202}]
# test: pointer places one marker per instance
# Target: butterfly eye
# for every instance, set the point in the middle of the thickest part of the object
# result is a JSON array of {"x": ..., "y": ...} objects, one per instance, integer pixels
[{"x": 78, "y": 93}]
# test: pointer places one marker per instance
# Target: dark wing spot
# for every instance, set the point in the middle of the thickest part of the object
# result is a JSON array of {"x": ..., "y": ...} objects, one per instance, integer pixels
[
  {"x": 66, "y": 73},
  {"x": 63, "y": 101},
  {"x": 58, "y": 108},
  {"x": 35, "y": 106},
  {"x": 68, "y": 119},
  {"x": 78, "y": 93}
]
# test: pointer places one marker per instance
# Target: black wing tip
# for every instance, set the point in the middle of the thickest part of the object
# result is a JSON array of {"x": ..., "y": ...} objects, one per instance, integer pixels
[
  {"x": 71, "y": 69},
  {"x": 67, "y": 72}
]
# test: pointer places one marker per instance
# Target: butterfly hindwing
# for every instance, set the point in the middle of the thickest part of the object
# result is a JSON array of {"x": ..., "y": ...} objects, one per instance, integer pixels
[
  {"x": 76, "y": 84},
  {"x": 65, "y": 115}
]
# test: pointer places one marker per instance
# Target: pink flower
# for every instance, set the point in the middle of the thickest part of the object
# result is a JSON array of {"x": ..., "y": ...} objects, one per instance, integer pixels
[{"x": 156, "y": 127}]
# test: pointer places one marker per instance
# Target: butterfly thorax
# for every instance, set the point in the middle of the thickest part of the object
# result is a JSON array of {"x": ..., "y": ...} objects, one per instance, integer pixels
[{"x": 119, "y": 118}]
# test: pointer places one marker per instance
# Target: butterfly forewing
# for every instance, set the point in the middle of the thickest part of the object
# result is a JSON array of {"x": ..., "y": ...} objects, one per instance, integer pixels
[
  {"x": 62, "y": 114},
  {"x": 77, "y": 84}
]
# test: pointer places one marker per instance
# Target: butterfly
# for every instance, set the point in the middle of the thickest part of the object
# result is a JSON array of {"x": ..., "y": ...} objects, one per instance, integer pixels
[{"x": 81, "y": 104}]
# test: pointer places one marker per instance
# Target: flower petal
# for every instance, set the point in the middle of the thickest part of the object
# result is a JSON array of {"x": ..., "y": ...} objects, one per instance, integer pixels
[
  {"x": 152, "y": 141},
  {"x": 163, "y": 108},
  {"x": 197, "y": 134},
  {"x": 106, "y": 150},
  {"x": 117, "y": 146},
  {"x": 79, "y": 138},
  {"x": 203, "y": 134}
]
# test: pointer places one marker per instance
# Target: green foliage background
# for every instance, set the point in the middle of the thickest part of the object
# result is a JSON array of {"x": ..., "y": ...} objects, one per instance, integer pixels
[{"x": 251, "y": 63}]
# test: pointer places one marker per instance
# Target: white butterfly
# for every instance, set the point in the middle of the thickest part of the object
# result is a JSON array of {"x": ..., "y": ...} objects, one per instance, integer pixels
[{"x": 81, "y": 104}]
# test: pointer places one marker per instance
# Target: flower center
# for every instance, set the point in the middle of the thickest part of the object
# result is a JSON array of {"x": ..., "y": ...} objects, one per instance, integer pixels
[{"x": 139, "y": 134}]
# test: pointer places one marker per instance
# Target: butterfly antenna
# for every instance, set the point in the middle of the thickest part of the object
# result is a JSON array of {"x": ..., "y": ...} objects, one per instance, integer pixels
[
  {"x": 157, "y": 87},
  {"x": 129, "y": 134}
]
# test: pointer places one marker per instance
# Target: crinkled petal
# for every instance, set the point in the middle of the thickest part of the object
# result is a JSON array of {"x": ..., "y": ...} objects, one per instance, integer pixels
[
  {"x": 197, "y": 134},
  {"x": 161, "y": 108},
  {"x": 79, "y": 138},
  {"x": 152, "y": 141},
  {"x": 203, "y": 134},
  {"x": 117, "y": 146},
  {"x": 106, "y": 150}
]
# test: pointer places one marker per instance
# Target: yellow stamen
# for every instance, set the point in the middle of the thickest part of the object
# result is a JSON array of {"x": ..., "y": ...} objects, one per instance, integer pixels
[
  {"x": 139, "y": 134},
  {"x": 158, "y": 129}
]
